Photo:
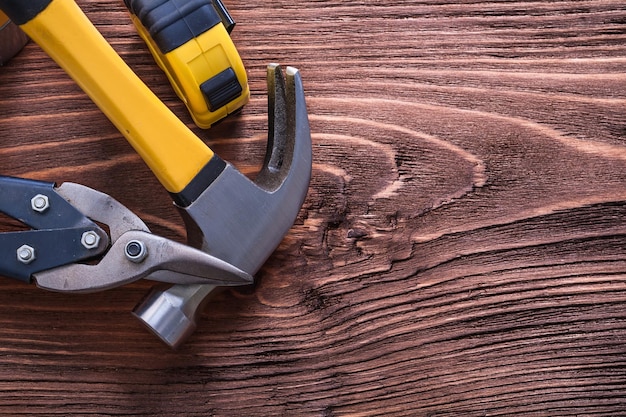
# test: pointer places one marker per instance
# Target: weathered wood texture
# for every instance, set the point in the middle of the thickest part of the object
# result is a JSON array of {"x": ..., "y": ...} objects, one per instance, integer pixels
[{"x": 462, "y": 249}]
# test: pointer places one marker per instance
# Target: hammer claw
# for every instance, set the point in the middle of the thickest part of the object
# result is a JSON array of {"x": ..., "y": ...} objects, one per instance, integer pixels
[
  {"x": 277, "y": 135},
  {"x": 283, "y": 102}
]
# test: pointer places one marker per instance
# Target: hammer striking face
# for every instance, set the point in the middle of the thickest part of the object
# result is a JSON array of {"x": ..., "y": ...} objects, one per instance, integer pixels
[{"x": 237, "y": 220}]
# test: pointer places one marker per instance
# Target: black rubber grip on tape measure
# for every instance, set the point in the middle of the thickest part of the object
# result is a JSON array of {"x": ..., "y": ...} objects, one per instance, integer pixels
[
  {"x": 172, "y": 23},
  {"x": 23, "y": 11}
]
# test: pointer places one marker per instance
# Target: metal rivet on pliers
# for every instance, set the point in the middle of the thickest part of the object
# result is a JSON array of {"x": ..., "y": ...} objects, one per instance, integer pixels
[{"x": 136, "y": 251}]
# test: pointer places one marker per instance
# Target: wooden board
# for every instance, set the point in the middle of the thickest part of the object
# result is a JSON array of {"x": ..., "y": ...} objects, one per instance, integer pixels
[{"x": 461, "y": 251}]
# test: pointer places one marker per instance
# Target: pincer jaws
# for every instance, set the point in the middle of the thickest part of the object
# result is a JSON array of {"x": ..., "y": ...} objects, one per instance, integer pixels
[
  {"x": 138, "y": 254},
  {"x": 238, "y": 220}
]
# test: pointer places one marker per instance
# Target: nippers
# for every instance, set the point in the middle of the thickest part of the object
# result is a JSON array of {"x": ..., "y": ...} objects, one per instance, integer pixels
[{"x": 67, "y": 250}]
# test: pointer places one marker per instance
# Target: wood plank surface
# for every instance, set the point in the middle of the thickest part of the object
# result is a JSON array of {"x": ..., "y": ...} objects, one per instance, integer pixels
[{"x": 461, "y": 251}]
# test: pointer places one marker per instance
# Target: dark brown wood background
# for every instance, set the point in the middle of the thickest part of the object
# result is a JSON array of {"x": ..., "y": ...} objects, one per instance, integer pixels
[{"x": 461, "y": 251}]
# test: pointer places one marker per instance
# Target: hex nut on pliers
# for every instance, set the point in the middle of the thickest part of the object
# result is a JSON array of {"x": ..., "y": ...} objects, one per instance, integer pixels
[
  {"x": 26, "y": 254},
  {"x": 40, "y": 203}
]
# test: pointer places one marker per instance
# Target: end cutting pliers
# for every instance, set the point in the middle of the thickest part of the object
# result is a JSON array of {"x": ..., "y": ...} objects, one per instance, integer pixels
[{"x": 68, "y": 250}]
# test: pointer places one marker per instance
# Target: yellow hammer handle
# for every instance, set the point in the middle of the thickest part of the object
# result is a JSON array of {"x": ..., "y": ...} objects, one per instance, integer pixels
[{"x": 171, "y": 150}]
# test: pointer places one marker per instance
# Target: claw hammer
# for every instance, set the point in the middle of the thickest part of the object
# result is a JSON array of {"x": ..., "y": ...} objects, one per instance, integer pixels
[{"x": 226, "y": 214}]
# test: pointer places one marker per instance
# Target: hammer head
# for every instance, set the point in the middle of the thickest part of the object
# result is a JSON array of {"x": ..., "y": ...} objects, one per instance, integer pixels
[{"x": 238, "y": 220}]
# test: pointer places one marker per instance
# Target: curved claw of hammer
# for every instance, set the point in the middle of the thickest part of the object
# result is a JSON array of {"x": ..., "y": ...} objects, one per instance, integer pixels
[{"x": 238, "y": 220}]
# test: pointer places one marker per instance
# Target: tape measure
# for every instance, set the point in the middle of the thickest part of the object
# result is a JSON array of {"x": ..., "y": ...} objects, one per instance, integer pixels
[{"x": 12, "y": 39}]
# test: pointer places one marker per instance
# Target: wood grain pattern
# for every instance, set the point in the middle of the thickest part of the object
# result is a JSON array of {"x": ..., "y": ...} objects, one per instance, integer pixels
[{"x": 461, "y": 252}]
